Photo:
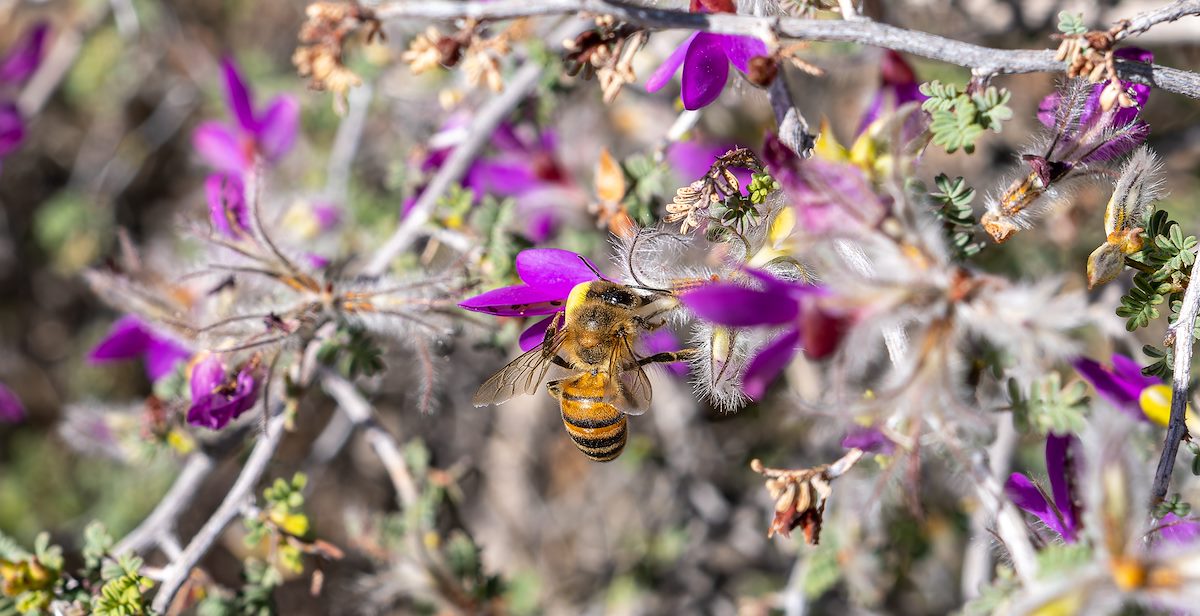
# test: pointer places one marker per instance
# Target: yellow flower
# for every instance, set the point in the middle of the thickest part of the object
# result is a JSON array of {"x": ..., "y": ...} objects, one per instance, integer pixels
[{"x": 1155, "y": 402}]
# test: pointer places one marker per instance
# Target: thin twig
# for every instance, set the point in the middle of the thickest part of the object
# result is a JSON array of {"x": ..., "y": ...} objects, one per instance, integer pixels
[
  {"x": 984, "y": 60},
  {"x": 345, "y": 144},
  {"x": 161, "y": 522},
  {"x": 1009, "y": 526},
  {"x": 793, "y": 128},
  {"x": 1171, "y": 12},
  {"x": 359, "y": 411},
  {"x": 177, "y": 572},
  {"x": 1181, "y": 334},
  {"x": 456, "y": 166},
  {"x": 356, "y": 407},
  {"x": 977, "y": 569}
]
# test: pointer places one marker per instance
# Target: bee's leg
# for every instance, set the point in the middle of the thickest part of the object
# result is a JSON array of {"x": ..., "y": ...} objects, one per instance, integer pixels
[
  {"x": 555, "y": 388},
  {"x": 557, "y": 360},
  {"x": 551, "y": 330},
  {"x": 667, "y": 358}
]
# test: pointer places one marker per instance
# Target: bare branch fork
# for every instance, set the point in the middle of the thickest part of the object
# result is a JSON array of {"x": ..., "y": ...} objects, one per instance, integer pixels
[
  {"x": 984, "y": 61},
  {"x": 1181, "y": 334},
  {"x": 177, "y": 572}
]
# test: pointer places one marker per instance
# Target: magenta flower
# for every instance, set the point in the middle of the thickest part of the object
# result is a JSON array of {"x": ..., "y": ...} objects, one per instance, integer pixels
[
  {"x": 549, "y": 274},
  {"x": 692, "y": 159},
  {"x": 130, "y": 338},
  {"x": 16, "y": 67},
  {"x": 870, "y": 440},
  {"x": 705, "y": 58},
  {"x": 11, "y": 409},
  {"x": 12, "y": 128},
  {"x": 327, "y": 215},
  {"x": 1177, "y": 530},
  {"x": 664, "y": 341},
  {"x": 826, "y": 195},
  {"x": 1119, "y": 129},
  {"x": 897, "y": 86},
  {"x": 522, "y": 166},
  {"x": 267, "y": 133},
  {"x": 219, "y": 397},
  {"x": 779, "y": 303},
  {"x": 1122, "y": 385},
  {"x": 1059, "y": 512},
  {"x": 227, "y": 205}
]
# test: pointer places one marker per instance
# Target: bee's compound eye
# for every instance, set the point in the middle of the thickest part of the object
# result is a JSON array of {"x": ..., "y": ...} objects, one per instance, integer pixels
[{"x": 619, "y": 297}]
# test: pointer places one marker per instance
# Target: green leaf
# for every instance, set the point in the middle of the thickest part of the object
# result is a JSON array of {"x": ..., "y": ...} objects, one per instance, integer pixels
[{"x": 1071, "y": 23}]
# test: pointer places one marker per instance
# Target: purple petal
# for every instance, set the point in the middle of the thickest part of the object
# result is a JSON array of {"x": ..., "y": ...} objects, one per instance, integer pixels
[
  {"x": 663, "y": 341},
  {"x": 874, "y": 110},
  {"x": 705, "y": 71},
  {"x": 238, "y": 96},
  {"x": 1029, "y": 498},
  {"x": 1119, "y": 390},
  {"x": 327, "y": 215},
  {"x": 220, "y": 147},
  {"x": 500, "y": 178},
  {"x": 23, "y": 59},
  {"x": 541, "y": 226},
  {"x": 667, "y": 69},
  {"x": 506, "y": 139},
  {"x": 1177, "y": 530},
  {"x": 217, "y": 409},
  {"x": 207, "y": 376},
  {"x": 770, "y": 361},
  {"x": 128, "y": 338},
  {"x": 1121, "y": 144},
  {"x": 870, "y": 440},
  {"x": 516, "y": 301},
  {"x": 316, "y": 261},
  {"x": 692, "y": 159},
  {"x": 276, "y": 131},
  {"x": 1058, "y": 468},
  {"x": 1129, "y": 371},
  {"x": 11, "y": 409},
  {"x": 227, "y": 205},
  {"x": 162, "y": 356},
  {"x": 553, "y": 270},
  {"x": 12, "y": 128},
  {"x": 737, "y": 306},
  {"x": 1048, "y": 109},
  {"x": 739, "y": 49},
  {"x": 535, "y": 334}
]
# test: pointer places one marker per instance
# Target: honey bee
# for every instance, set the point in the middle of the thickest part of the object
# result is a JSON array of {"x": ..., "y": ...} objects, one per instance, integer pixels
[{"x": 594, "y": 337}]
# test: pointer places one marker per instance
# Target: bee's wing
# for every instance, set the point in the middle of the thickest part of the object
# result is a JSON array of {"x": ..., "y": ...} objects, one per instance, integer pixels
[
  {"x": 522, "y": 375},
  {"x": 630, "y": 391}
]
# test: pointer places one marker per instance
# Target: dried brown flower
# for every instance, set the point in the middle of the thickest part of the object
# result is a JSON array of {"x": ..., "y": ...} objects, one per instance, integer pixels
[
  {"x": 1090, "y": 55},
  {"x": 763, "y": 70},
  {"x": 800, "y": 495},
  {"x": 692, "y": 202},
  {"x": 324, "y": 34},
  {"x": 606, "y": 51}
]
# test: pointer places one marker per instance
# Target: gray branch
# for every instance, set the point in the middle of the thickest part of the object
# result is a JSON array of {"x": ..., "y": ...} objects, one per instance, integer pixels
[
  {"x": 1181, "y": 333},
  {"x": 983, "y": 60},
  {"x": 1171, "y": 12},
  {"x": 479, "y": 134},
  {"x": 360, "y": 413},
  {"x": 161, "y": 522},
  {"x": 177, "y": 572}
]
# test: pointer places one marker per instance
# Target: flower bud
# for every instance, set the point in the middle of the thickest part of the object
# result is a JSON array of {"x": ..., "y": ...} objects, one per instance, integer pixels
[
  {"x": 1104, "y": 264},
  {"x": 763, "y": 70}
]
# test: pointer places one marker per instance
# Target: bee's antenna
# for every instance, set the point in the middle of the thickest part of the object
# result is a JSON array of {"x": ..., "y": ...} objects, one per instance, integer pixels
[
  {"x": 651, "y": 289},
  {"x": 591, "y": 267}
]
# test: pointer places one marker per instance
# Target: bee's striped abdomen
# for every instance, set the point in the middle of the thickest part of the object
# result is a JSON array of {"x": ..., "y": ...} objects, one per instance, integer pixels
[{"x": 598, "y": 428}]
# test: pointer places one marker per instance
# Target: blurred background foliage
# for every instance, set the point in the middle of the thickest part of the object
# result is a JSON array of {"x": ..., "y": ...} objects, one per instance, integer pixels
[{"x": 676, "y": 525}]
